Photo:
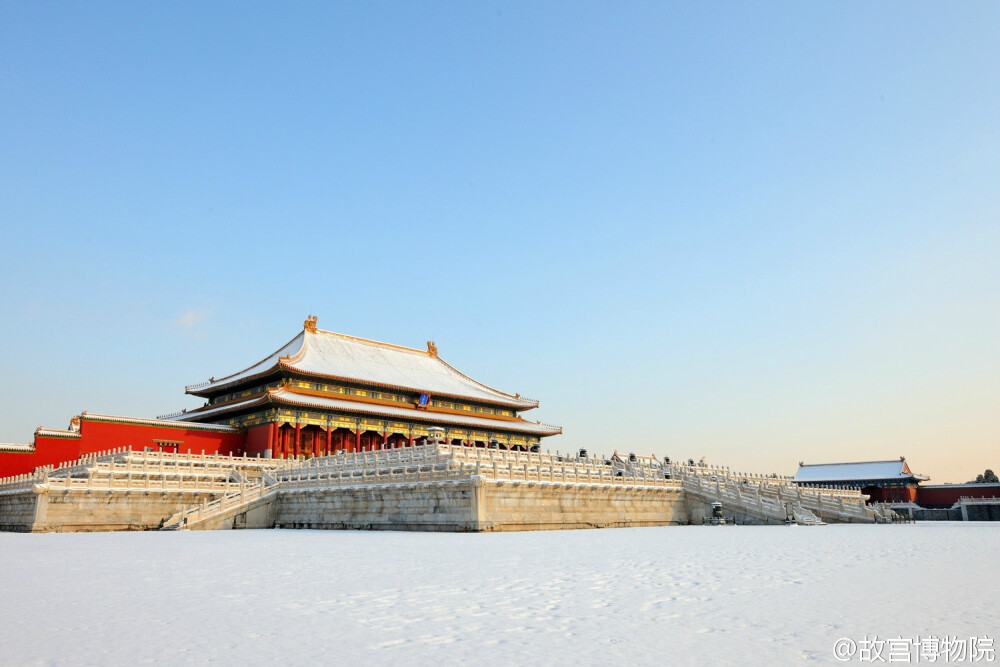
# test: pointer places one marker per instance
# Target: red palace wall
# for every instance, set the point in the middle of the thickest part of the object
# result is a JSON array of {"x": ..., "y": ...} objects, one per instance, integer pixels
[
  {"x": 256, "y": 440},
  {"x": 48, "y": 451},
  {"x": 948, "y": 495},
  {"x": 99, "y": 436},
  {"x": 890, "y": 494}
]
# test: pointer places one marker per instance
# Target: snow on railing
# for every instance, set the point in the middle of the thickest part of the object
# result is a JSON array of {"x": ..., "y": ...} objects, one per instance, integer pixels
[
  {"x": 978, "y": 500},
  {"x": 770, "y": 497},
  {"x": 357, "y": 460},
  {"x": 569, "y": 472},
  {"x": 20, "y": 483},
  {"x": 62, "y": 467},
  {"x": 244, "y": 495},
  {"x": 751, "y": 500},
  {"x": 222, "y": 459},
  {"x": 724, "y": 471},
  {"x": 144, "y": 483},
  {"x": 437, "y": 462},
  {"x": 127, "y": 469},
  {"x": 381, "y": 475}
]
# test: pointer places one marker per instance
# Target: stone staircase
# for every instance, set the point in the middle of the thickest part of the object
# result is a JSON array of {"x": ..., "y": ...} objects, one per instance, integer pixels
[
  {"x": 247, "y": 507},
  {"x": 772, "y": 499}
]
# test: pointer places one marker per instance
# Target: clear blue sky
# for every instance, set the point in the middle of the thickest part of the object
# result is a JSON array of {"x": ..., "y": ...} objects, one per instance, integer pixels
[{"x": 762, "y": 233}]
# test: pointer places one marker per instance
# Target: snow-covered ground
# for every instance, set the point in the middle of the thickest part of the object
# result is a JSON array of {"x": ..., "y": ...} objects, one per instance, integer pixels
[{"x": 681, "y": 595}]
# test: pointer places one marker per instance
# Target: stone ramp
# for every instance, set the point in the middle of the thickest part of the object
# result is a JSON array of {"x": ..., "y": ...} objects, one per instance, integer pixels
[
  {"x": 251, "y": 506},
  {"x": 750, "y": 498}
]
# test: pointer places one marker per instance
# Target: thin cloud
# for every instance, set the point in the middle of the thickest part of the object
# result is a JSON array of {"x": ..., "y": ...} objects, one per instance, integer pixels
[{"x": 192, "y": 318}]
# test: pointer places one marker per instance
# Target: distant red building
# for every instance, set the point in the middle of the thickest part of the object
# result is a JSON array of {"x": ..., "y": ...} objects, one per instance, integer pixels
[
  {"x": 943, "y": 496},
  {"x": 881, "y": 481},
  {"x": 894, "y": 482},
  {"x": 92, "y": 433}
]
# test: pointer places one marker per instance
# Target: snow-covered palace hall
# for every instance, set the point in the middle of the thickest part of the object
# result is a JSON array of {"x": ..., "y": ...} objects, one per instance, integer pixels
[{"x": 335, "y": 431}]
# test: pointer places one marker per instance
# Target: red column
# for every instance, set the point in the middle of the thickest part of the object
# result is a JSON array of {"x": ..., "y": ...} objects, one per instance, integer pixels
[
  {"x": 298, "y": 436},
  {"x": 270, "y": 437},
  {"x": 329, "y": 440},
  {"x": 357, "y": 440},
  {"x": 410, "y": 441},
  {"x": 385, "y": 439}
]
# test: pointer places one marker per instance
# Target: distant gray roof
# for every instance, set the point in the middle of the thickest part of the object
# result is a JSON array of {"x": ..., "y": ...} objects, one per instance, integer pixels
[{"x": 851, "y": 472}]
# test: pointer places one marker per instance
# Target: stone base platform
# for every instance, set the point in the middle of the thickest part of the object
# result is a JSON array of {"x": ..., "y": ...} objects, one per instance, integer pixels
[{"x": 478, "y": 505}]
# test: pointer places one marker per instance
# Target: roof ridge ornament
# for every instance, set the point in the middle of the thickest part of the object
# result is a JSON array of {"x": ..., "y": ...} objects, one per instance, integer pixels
[
  {"x": 432, "y": 348},
  {"x": 310, "y": 324}
]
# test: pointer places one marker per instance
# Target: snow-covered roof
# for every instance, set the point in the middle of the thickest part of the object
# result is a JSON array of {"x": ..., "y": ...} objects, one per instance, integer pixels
[
  {"x": 290, "y": 397},
  {"x": 338, "y": 356},
  {"x": 16, "y": 447},
  {"x": 117, "y": 419},
  {"x": 849, "y": 472},
  {"x": 262, "y": 367},
  {"x": 214, "y": 410},
  {"x": 56, "y": 433}
]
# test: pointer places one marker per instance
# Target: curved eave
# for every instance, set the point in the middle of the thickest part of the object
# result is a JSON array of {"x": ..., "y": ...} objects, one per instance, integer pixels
[
  {"x": 209, "y": 390},
  {"x": 511, "y": 402},
  {"x": 212, "y": 385},
  {"x": 205, "y": 390},
  {"x": 286, "y": 365},
  {"x": 214, "y": 412},
  {"x": 524, "y": 403},
  {"x": 280, "y": 397},
  {"x": 405, "y": 414}
]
